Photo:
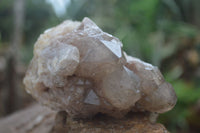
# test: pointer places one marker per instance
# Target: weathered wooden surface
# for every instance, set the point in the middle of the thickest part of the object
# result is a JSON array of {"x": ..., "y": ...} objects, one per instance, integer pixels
[{"x": 37, "y": 119}]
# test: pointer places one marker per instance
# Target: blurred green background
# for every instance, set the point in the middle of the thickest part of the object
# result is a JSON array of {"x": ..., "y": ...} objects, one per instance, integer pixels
[{"x": 165, "y": 33}]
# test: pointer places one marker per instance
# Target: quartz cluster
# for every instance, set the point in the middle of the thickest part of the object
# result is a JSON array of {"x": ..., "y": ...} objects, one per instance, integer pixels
[{"x": 81, "y": 69}]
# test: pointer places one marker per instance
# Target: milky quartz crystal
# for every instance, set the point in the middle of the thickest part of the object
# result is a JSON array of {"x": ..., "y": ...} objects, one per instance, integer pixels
[{"x": 81, "y": 69}]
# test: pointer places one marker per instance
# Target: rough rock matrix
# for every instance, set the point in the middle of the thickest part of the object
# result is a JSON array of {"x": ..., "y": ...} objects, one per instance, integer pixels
[
  {"x": 37, "y": 119},
  {"x": 81, "y": 69}
]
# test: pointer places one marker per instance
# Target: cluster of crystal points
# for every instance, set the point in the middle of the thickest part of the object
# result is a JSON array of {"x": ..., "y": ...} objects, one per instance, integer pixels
[{"x": 81, "y": 69}]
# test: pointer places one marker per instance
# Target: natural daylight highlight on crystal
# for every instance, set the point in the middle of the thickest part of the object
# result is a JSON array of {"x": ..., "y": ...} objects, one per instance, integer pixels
[{"x": 81, "y": 69}]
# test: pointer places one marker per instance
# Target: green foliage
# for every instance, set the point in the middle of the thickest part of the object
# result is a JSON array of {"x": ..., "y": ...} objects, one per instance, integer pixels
[
  {"x": 183, "y": 89},
  {"x": 6, "y": 20}
]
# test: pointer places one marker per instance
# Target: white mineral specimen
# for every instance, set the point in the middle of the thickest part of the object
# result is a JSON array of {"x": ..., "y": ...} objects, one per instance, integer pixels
[{"x": 81, "y": 69}]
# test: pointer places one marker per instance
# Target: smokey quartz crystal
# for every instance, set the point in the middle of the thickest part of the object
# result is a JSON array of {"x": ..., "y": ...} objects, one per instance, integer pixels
[{"x": 81, "y": 69}]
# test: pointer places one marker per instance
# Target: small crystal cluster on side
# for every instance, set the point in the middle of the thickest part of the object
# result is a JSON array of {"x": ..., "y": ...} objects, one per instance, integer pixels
[{"x": 81, "y": 69}]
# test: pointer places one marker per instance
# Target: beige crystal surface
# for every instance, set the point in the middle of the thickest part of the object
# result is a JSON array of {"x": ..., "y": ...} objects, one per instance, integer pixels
[{"x": 81, "y": 69}]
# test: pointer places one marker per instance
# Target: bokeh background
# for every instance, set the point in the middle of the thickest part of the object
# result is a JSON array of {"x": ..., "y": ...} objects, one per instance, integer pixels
[{"x": 165, "y": 33}]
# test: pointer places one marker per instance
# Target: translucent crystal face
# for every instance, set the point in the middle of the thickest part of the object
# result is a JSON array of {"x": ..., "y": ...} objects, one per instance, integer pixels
[{"x": 81, "y": 69}]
